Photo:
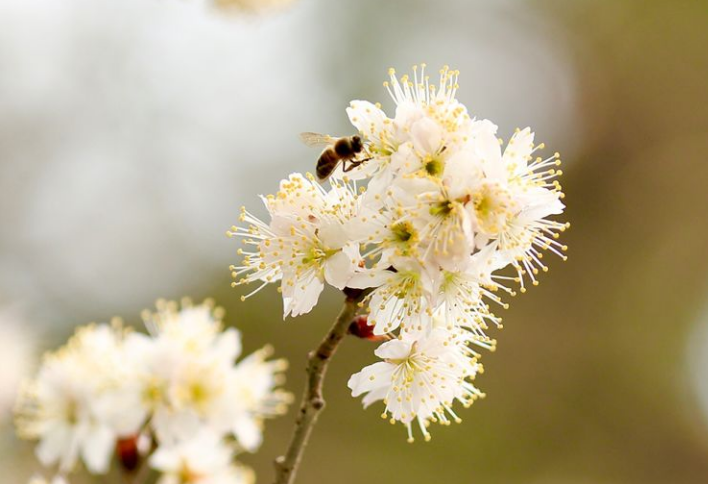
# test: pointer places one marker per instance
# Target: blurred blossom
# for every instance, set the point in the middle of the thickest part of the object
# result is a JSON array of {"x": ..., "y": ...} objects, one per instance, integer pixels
[
  {"x": 42, "y": 480},
  {"x": 205, "y": 459},
  {"x": 188, "y": 378},
  {"x": 82, "y": 400},
  {"x": 252, "y": 6},
  {"x": 16, "y": 354},
  {"x": 109, "y": 386}
]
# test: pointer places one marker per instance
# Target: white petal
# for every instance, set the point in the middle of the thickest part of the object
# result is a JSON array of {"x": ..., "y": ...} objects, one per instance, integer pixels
[
  {"x": 97, "y": 449},
  {"x": 427, "y": 136},
  {"x": 385, "y": 313},
  {"x": 57, "y": 443},
  {"x": 375, "y": 395},
  {"x": 367, "y": 279},
  {"x": 163, "y": 459},
  {"x": 370, "y": 377},
  {"x": 489, "y": 152},
  {"x": 304, "y": 295},
  {"x": 340, "y": 267},
  {"x": 463, "y": 170},
  {"x": 394, "y": 350},
  {"x": 332, "y": 235},
  {"x": 366, "y": 117},
  {"x": 248, "y": 433},
  {"x": 519, "y": 149}
]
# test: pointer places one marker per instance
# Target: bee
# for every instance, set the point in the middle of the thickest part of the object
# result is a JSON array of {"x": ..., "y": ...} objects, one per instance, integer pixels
[{"x": 344, "y": 150}]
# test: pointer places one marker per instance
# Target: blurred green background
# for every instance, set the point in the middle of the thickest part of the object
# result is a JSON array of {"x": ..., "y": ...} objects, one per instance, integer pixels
[{"x": 131, "y": 132}]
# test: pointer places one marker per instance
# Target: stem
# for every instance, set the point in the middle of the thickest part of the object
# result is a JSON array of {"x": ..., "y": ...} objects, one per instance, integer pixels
[
  {"x": 142, "y": 475},
  {"x": 312, "y": 401}
]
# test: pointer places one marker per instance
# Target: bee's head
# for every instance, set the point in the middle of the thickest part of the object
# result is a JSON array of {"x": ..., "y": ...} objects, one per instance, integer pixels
[{"x": 357, "y": 144}]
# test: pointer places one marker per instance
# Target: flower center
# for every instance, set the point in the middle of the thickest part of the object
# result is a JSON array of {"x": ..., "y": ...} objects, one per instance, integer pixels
[
  {"x": 199, "y": 394},
  {"x": 433, "y": 166},
  {"x": 402, "y": 231},
  {"x": 441, "y": 209},
  {"x": 187, "y": 475},
  {"x": 154, "y": 393},
  {"x": 407, "y": 364},
  {"x": 317, "y": 254},
  {"x": 493, "y": 208},
  {"x": 72, "y": 413}
]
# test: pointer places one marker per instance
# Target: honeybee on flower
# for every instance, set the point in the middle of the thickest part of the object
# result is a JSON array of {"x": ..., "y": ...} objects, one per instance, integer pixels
[{"x": 424, "y": 229}]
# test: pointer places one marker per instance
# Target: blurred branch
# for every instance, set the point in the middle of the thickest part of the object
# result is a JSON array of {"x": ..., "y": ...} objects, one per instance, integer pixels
[
  {"x": 142, "y": 475},
  {"x": 312, "y": 401}
]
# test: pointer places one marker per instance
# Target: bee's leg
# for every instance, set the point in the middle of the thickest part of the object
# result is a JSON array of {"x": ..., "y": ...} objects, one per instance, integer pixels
[{"x": 352, "y": 164}]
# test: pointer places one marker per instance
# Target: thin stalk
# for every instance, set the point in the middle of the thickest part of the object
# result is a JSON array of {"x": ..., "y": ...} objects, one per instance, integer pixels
[{"x": 312, "y": 400}]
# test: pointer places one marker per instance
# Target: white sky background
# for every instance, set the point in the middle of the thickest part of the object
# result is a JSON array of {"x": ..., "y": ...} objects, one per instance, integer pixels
[{"x": 132, "y": 131}]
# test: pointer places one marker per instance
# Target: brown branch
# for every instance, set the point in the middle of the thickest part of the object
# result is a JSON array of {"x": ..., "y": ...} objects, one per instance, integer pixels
[
  {"x": 312, "y": 401},
  {"x": 142, "y": 474}
]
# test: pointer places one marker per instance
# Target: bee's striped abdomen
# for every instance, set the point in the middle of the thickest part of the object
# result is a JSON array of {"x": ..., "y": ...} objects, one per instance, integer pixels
[{"x": 326, "y": 164}]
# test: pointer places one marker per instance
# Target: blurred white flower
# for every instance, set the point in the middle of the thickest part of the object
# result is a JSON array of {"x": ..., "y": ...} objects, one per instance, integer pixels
[
  {"x": 78, "y": 405},
  {"x": 420, "y": 378},
  {"x": 41, "y": 480},
  {"x": 204, "y": 459},
  {"x": 253, "y": 6},
  {"x": 110, "y": 391},
  {"x": 253, "y": 397},
  {"x": 190, "y": 380}
]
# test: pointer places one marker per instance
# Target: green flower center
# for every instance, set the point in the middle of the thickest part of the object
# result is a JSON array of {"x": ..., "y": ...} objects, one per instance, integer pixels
[
  {"x": 402, "y": 231},
  {"x": 441, "y": 209},
  {"x": 434, "y": 166}
]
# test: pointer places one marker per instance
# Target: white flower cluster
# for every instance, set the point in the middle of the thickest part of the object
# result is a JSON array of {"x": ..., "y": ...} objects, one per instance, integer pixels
[
  {"x": 175, "y": 399},
  {"x": 427, "y": 224}
]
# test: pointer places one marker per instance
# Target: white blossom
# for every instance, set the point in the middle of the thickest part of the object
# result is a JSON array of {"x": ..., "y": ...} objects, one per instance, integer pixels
[
  {"x": 108, "y": 386},
  {"x": 79, "y": 404},
  {"x": 461, "y": 296},
  {"x": 445, "y": 218},
  {"x": 420, "y": 377},
  {"x": 252, "y": 396},
  {"x": 204, "y": 459},
  {"x": 190, "y": 378},
  {"x": 305, "y": 244},
  {"x": 400, "y": 298}
]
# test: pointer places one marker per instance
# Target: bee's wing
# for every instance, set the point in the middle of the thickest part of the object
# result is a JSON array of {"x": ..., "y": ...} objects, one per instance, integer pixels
[{"x": 317, "y": 139}]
